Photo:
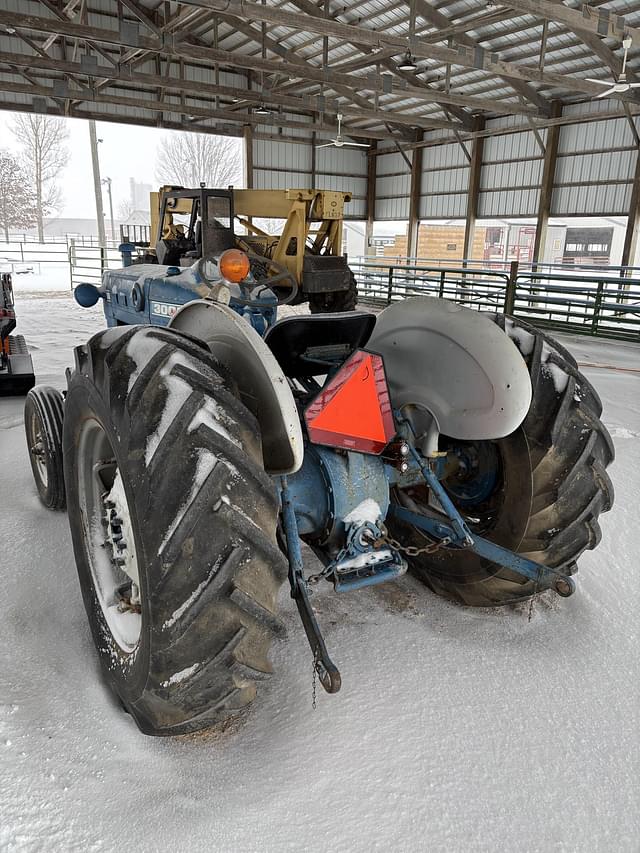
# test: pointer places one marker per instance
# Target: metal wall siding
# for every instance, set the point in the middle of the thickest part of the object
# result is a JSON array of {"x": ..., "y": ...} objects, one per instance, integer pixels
[
  {"x": 611, "y": 133},
  {"x": 342, "y": 160},
  {"x": 586, "y": 200},
  {"x": 266, "y": 180},
  {"x": 522, "y": 202},
  {"x": 523, "y": 174},
  {"x": 357, "y": 186},
  {"x": 586, "y": 168},
  {"x": 450, "y": 206},
  {"x": 390, "y": 163},
  {"x": 512, "y": 146},
  {"x": 454, "y": 180},
  {"x": 356, "y": 209},
  {"x": 443, "y": 157},
  {"x": 396, "y": 186},
  {"x": 393, "y": 184},
  {"x": 282, "y": 155},
  {"x": 392, "y": 208}
]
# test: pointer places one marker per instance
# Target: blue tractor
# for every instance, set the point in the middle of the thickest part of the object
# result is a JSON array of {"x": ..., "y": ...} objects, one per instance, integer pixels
[{"x": 201, "y": 442}]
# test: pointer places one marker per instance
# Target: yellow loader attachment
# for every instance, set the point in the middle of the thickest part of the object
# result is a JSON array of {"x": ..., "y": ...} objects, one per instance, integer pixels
[{"x": 309, "y": 244}]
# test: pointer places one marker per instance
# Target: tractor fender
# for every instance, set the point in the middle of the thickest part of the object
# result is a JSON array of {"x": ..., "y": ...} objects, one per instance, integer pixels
[
  {"x": 263, "y": 386},
  {"x": 454, "y": 363}
]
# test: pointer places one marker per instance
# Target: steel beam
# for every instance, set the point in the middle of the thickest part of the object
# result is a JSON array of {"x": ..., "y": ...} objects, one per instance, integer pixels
[
  {"x": 435, "y": 17},
  {"x": 473, "y": 192},
  {"x": 546, "y": 186},
  {"x": 179, "y": 84},
  {"x": 180, "y": 109},
  {"x": 465, "y": 56},
  {"x": 589, "y": 19},
  {"x": 472, "y": 57}
]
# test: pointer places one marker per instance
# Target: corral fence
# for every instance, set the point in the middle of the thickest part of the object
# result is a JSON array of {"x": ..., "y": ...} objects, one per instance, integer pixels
[
  {"x": 69, "y": 261},
  {"x": 88, "y": 262},
  {"x": 593, "y": 301}
]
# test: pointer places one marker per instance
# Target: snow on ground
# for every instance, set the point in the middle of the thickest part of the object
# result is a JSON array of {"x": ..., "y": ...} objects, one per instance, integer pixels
[
  {"x": 456, "y": 729},
  {"x": 31, "y": 279}
]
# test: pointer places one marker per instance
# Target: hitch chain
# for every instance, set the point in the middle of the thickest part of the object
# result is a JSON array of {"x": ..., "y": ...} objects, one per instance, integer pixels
[
  {"x": 316, "y": 658},
  {"x": 411, "y": 550}
]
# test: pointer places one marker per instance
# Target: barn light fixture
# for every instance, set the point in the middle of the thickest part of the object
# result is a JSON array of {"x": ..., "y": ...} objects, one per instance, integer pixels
[
  {"x": 407, "y": 64},
  {"x": 262, "y": 110}
]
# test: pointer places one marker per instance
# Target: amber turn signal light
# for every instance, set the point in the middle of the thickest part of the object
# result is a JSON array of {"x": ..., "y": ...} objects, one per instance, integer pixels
[{"x": 234, "y": 265}]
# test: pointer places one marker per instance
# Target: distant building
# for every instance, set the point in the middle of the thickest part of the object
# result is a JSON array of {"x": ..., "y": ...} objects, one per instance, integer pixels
[
  {"x": 139, "y": 194},
  {"x": 137, "y": 217}
]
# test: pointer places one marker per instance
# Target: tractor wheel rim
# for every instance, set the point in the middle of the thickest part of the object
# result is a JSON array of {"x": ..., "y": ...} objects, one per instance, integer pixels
[
  {"x": 109, "y": 536},
  {"x": 37, "y": 450}
]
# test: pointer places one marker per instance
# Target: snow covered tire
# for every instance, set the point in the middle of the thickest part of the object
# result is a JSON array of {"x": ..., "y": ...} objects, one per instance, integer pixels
[
  {"x": 556, "y": 482},
  {"x": 43, "y": 416},
  {"x": 203, "y": 515}
]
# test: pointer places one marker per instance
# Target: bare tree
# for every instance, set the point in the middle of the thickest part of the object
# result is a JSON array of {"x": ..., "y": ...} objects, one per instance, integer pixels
[
  {"x": 188, "y": 159},
  {"x": 17, "y": 198},
  {"x": 126, "y": 209},
  {"x": 43, "y": 144}
]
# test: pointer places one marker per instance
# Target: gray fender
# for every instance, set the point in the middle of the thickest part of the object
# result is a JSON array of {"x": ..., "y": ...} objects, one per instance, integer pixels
[
  {"x": 456, "y": 364},
  {"x": 262, "y": 384}
]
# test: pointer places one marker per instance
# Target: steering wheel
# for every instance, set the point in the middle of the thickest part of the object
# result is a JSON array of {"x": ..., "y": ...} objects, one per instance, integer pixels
[
  {"x": 260, "y": 265},
  {"x": 207, "y": 269},
  {"x": 283, "y": 278}
]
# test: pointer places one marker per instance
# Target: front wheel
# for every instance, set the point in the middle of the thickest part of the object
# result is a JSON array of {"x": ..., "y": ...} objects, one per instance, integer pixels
[
  {"x": 43, "y": 416},
  {"x": 173, "y": 522},
  {"x": 538, "y": 492}
]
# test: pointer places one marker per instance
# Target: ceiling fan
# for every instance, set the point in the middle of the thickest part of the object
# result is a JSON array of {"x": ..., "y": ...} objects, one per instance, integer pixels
[
  {"x": 617, "y": 87},
  {"x": 340, "y": 142}
]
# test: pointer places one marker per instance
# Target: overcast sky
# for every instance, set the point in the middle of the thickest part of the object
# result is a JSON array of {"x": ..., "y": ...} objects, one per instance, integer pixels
[{"x": 126, "y": 151}]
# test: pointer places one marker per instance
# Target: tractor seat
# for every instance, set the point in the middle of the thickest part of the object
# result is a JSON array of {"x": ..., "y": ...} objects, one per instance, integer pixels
[{"x": 313, "y": 345}]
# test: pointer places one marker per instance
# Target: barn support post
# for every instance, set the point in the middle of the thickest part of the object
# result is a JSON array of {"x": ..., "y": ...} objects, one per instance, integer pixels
[
  {"x": 546, "y": 186},
  {"x": 473, "y": 193},
  {"x": 371, "y": 199},
  {"x": 414, "y": 200},
  {"x": 632, "y": 233},
  {"x": 247, "y": 133}
]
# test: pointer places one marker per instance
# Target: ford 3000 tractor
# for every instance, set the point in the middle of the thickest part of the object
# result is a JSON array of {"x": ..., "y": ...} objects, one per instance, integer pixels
[{"x": 201, "y": 442}]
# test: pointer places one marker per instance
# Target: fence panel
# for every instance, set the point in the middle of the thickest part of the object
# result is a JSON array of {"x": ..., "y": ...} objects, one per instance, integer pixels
[
  {"x": 597, "y": 305},
  {"x": 606, "y": 304},
  {"x": 88, "y": 262}
]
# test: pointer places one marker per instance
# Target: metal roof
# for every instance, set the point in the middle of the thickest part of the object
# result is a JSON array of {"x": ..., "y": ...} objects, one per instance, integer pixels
[{"x": 207, "y": 64}]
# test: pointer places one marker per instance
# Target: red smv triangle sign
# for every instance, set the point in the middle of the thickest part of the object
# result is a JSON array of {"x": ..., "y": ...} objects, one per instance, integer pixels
[{"x": 353, "y": 410}]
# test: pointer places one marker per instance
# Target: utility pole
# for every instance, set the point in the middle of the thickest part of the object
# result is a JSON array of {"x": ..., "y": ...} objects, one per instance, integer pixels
[
  {"x": 96, "y": 182},
  {"x": 107, "y": 181}
]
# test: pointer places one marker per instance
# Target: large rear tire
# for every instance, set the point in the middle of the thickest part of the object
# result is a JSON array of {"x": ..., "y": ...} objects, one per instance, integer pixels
[
  {"x": 173, "y": 522},
  {"x": 540, "y": 490}
]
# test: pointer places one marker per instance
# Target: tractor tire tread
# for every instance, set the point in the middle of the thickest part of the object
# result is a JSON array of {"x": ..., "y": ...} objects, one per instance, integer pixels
[
  {"x": 214, "y": 569},
  {"x": 570, "y": 449}
]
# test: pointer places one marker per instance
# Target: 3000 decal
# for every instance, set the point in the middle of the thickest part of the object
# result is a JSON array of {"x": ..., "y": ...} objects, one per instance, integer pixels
[{"x": 163, "y": 309}]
